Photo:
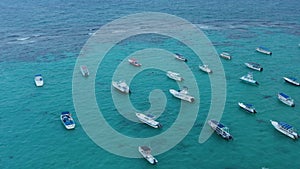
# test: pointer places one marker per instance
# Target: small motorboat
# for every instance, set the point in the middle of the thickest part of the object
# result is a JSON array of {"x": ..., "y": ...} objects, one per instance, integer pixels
[
  {"x": 248, "y": 107},
  {"x": 254, "y": 66},
  {"x": 148, "y": 119},
  {"x": 174, "y": 76},
  {"x": 205, "y": 68},
  {"x": 38, "y": 80},
  {"x": 180, "y": 57},
  {"x": 134, "y": 62},
  {"x": 182, "y": 94},
  {"x": 84, "y": 71},
  {"x": 286, "y": 99},
  {"x": 291, "y": 80},
  {"x": 67, "y": 120},
  {"x": 285, "y": 129},
  {"x": 220, "y": 129},
  {"x": 121, "y": 86},
  {"x": 264, "y": 50},
  {"x": 146, "y": 153},
  {"x": 225, "y": 55},
  {"x": 249, "y": 79}
]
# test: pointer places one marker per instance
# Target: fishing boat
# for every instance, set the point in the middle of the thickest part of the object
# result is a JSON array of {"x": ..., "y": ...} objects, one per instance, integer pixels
[
  {"x": 291, "y": 80},
  {"x": 38, "y": 80},
  {"x": 67, "y": 120},
  {"x": 264, "y": 50},
  {"x": 254, "y": 66},
  {"x": 249, "y": 79},
  {"x": 180, "y": 57},
  {"x": 84, "y": 70},
  {"x": 148, "y": 119},
  {"x": 286, "y": 99},
  {"x": 146, "y": 153},
  {"x": 182, "y": 94},
  {"x": 121, "y": 86},
  {"x": 248, "y": 107},
  {"x": 134, "y": 62},
  {"x": 220, "y": 129},
  {"x": 225, "y": 55},
  {"x": 174, "y": 76},
  {"x": 285, "y": 129},
  {"x": 205, "y": 68}
]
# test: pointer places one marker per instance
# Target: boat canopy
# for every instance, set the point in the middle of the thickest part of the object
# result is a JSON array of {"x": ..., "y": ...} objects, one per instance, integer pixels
[
  {"x": 249, "y": 105},
  {"x": 292, "y": 78},
  {"x": 264, "y": 48},
  {"x": 284, "y": 95},
  {"x": 145, "y": 148},
  {"x": 285, "y": 125},
  {"x": 38, "y": 75},
  {"x": 65, "y": 112}
]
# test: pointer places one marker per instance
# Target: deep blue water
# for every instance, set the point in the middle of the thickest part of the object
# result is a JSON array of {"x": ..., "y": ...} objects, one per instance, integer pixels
[{"x": 47, "y": 36}]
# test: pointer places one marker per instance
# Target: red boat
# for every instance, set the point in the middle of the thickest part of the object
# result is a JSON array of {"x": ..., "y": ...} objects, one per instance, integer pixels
[{"x": 134, "y": 62}]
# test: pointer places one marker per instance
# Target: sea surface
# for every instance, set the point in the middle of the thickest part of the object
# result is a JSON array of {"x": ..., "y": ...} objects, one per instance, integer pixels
[{"x": 46, "y": 37}]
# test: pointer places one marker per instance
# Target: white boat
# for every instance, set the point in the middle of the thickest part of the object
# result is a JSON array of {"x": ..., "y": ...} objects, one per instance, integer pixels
[
  {"x": 38, "y": 80},
  {"x": 220, "y": 129},
  {"x": 148, "y": 119},
  {"x": 180, "y": 57},
  {"x": 134, "y": 62},
  {"x": 254, "y": 66},
  {"x": 225, "y": 55},
  {"x": 285, "y": 129},
  {"x": 264, "y": 50},
  {"x": 205, "y": 68},
  {"x": 84, "y": 70},
  {"x": 174, "y": 76},
  {"x": 146, "y": 153},
  {"x": 121, "y": 86},
  {"x": 249, "y": 79},
  {"x": 291, "y": 80},
  {"x": 248, "y": 107},
  {"x": 182, "y": 94},
  {"x": 67, "y": 120},
  {"x": 286, "y": 99}
]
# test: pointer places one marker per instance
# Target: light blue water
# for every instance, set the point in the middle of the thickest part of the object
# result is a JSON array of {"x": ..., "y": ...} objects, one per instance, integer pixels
[{"x": 46, "y": 37}]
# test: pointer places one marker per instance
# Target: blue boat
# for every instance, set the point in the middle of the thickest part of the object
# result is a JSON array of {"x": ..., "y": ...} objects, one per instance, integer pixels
[
  {"x": 220, "y": 129},
  {"x": 286, "y": 99},
  {"x": 67, "y": 120},
  {"x": 264, "y": 50},
  {"x": 291, "y": 80}
]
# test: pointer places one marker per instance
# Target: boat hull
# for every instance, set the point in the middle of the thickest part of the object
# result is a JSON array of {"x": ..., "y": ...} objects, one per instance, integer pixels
[
  {"x": 182, "y": 96},
  {"x": 251, "y": 66},
  {"x": 152, "y": 160},
  {"x": 263, "y": 51},
  {"x": 220, "y": 131},
  {"x": 292, "y": 135},
  {"x": 149, "y": 121},
  {"x": 174, "y": 76},
  {"x": 120, "y": 88},
  {"x": 244, "y": 107},
  {"x": 290, "y": 81},
  {"x": 289, "y": 102}
]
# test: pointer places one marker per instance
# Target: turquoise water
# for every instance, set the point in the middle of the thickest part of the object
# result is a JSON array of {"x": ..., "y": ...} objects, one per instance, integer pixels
[{"x": 46, "y": 37}]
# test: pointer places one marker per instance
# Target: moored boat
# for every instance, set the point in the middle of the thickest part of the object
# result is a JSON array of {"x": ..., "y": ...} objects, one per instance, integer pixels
[
  {"x": 174, "y": 76},
  {"x": 84, "y": 70},
  {"x": 249, "y": 79},
  {"x": 220, "y": 129},
  {"x": 205, "y": 68},
  {"x": 134, "y": 62},
  {"x": 146, "y": 153},
  {"x": 248, "y": 107},
  {"x": 285, "y": 129},
  {"x": 182, "y": 94},
  {"x": 121, "y": 86},
  {"x": 148, "y": 119},
  {"x": 254, "y": 66},
  {"x": 291, "y": 80},
  {"x": 67, "y": 120},
  {"x": 286, "y": 99},
  {"x": 264, "y": 50},
  {"x": 226, "y": 55},
  {"x": 180, "y": 57},
  {"x": 38, "y": 80}
]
